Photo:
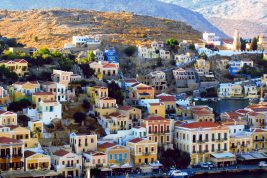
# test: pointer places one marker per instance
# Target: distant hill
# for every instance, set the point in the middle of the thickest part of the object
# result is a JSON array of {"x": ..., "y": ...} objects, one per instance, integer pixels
[
  {"x": 153, "y": 8},
  {"x": 53, "y": 28},
  {"x": 249, "y": 16}
]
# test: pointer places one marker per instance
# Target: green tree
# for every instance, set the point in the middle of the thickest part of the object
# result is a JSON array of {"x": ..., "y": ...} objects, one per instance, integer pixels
[
  {"x": 254, "y": 44},
  {"x": 79, "y": 117},
  {"x": 130, "y": 51},
  {"x": 19, "y": 105},
  {"x": 114, "y": 91},
  {"x": 203, "y": 55},
  {"x": 243, "y": 44},
  {"x": 172, "y": 42},
  {"x": 91, "y": 56},
  {"x": 192, "y": 47},
  {"x": 175, "y": 157}
]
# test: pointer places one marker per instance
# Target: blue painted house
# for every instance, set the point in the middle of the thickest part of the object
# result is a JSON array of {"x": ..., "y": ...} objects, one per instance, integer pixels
[{"x": 111, "y": 55}]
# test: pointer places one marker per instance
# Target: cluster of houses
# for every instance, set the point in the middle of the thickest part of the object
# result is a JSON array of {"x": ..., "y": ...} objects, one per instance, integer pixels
[{"x": 148, "y": 121}]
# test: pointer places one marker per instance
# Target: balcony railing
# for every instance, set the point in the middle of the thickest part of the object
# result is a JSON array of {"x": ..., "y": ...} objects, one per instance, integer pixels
[
  {"x": 146, "y": 153},
  {"x": 70, "y": 165},
  {"x": 259, "y": 140}
]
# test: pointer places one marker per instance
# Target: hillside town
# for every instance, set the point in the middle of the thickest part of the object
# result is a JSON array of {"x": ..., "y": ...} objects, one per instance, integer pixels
[{"x": 92, "y": 109}]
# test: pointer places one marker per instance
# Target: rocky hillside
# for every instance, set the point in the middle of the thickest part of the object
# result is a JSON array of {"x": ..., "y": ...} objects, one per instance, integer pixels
[
  {"x": 249, "y": 16},
  {"x": 53, "y": 28},
  {"x": 153, "y": 8}
]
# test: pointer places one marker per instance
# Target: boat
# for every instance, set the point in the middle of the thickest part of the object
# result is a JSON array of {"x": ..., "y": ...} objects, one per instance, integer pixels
[{"x": 178, "y": 174}]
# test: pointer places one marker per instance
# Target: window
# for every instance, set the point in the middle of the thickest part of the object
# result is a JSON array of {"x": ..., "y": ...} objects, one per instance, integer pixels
[
  {"x": 92, "y": 140},
  {"x": 63, "y": 162},
  {"x": 152, "y": 149},
  {"x": 125, "y": 155},
  {"x": 140, "y": 150},
  {"x": 115, "y": 156}
]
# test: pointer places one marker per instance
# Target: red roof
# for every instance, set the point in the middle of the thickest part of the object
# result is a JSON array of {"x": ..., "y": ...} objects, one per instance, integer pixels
[
  {"x": 253, "y": 113},
  {"x": 28, "y": 153},
  {"x": 260, "y": 130},
  {"x": 106, "y": 98},
  {"x": 43, "y": 93},
  {"x": 20, "y": 61},
  {"x": 6, "y": 112},
  {"x": 60, "y": 153},
  {"x": 194, "y": 125},
  {"x": 167, "y": 98},
  {"x": 109, "y": 66},
  {"x": 9, "y": 140},
  {"x": 136, "y": 140},
  {"x": 106, "y": 145},
  {"x": 242, "y": 111},
  {"x": 200, "y": 112},
  {"x": 125, "y": 108},
  {"x": 154, "y": 118}
]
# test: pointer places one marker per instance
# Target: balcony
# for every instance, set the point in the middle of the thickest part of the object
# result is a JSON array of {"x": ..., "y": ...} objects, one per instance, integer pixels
[
  {"x": 220, "y": 140},
  {"x": 70, "y": 165},
  {"x": 259, "y": 140},
  {"x": 146, "y": 154},
  {"x": 219, "y": 151}
]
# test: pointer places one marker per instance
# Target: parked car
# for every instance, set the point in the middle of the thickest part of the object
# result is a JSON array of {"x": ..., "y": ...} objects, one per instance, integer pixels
[{"x": 262, "y": 164}]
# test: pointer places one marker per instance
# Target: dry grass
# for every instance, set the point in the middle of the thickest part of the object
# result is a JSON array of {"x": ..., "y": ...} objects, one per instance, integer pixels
[{"x": 56, "y": 27}]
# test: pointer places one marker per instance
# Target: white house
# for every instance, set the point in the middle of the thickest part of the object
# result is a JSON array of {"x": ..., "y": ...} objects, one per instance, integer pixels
[
  {"x": 211, "y": 38},
  {"x": 99, "y": 55},
  {"x": 59, "y": 90},
  {"x": 67, "y": 164},
  {"x": 83, "y": 142},
  {"x": 228, "y": 90},
  {"x": 49, "y": 110}
]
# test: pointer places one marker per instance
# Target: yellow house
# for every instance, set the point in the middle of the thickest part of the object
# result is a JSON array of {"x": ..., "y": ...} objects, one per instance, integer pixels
[
  {"x": 7, "y": 118},
  {"x": 256, "y": 120},
  {"x": 19, "y": 66},
  {"x": 36, "y": 161},
  {"x": 143, "y": 151},
  {"x": 159, "y": 129},
  {"x": 202, "y": 66},
  {"x": 23, "y": 90},
  {"x": 96, "y": 92},
  {"x": 169, "y": 102},
  {"x": 19, "y": 133},
  {"x": 133, "y": 113},
  {"x": 259, "y": 137},
  {"x": 157, "y": 109},
  {"x": 116, "y": 154},
  {"x": 105, "y": 106},
  {"x": 4, "y": 96},
  {"x": 202, "y": 114},
  {"x": 83, "y": 142},
  {"x": 42, "y": 96},
  {"x": 115, "y": 122},
  {"x": 241, "y": 142},
  {"x": 201, "y": 143},
  {"x": 37, "y": 128},
  {"x": 141, "y": 91}
]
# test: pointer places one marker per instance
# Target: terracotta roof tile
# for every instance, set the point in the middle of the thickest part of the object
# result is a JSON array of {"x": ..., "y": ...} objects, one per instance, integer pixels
[
  {"x": 60, "y": 153},
  {"x": 152, "y": 118},
  {"x": 195, "y": 125},
  {"x": 167, "y": 98},
  {"x": 125, "y": 108},
  {"x": 28, "y": 153},
  {"x": 9, "y": 140},
  {"x": 136, "y": 140},
  {"x": 106, "y": 145}
]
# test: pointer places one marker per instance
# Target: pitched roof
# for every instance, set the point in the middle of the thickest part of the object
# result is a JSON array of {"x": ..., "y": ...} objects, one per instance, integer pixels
[
  {"x": 106, "y": 145},
  {"x": 136, "y": 140},
  {"x": 167, "y": 98},
  {"x": 9, "y": 140},
  {"x": 28, "y": 153},
  {"x": 152, "y": 118},
  {"x": 60, "y": 153},
  {"x": 253, "y": 113},
  {"x": 195, "y": 125},
  {"x": 6, "y": 112},
  {"x": 125, "y": 108},
  {"x": 260, "y": 130},
  {"x": 110, "y": 65}
]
